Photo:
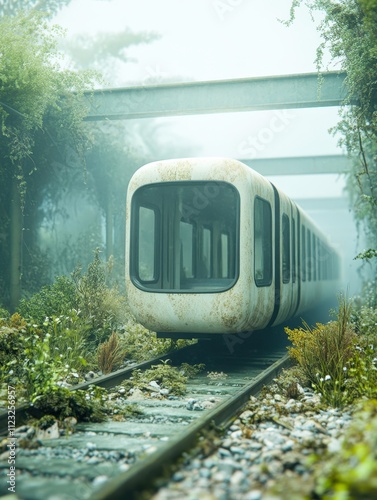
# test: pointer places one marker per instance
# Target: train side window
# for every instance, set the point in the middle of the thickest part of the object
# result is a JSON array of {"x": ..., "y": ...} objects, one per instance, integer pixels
[
  {"x": 303, "y": 254},
  {"x": 293, "y": 251},
  {"x": 327, "y": 263},
  {"x": 262, "y": 242},
  {"x": 309, "y": 260},
  {"x": 286, "y": 257},
  {"x": 147, "y": 243},
  {"x": 327, "y": 267},
  {"x": 324, "y": 262},
  {"x": 315, "y": 260},
  {"x": 224, "y": 261},
  {"x": 186, "y": 232}
]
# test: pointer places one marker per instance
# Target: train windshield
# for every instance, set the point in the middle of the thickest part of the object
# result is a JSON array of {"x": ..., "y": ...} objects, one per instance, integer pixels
[{"x": 185, "y": 236}]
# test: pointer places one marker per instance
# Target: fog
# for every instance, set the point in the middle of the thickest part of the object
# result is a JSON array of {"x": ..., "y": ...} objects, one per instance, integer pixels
[{"x": 203, "y": 40}]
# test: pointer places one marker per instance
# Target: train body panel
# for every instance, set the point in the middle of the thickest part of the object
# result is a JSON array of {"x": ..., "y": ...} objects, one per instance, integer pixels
[{"x": 214, "y": 247}]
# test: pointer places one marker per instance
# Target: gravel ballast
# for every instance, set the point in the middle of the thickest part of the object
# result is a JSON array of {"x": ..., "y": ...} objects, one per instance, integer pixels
[{"x": 264, "y": 454}]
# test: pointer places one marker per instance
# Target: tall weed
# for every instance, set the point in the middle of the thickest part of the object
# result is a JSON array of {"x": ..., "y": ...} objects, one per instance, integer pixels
[
  {"x": 324, "y": 353},
  {"x": 110, "y": 354}
]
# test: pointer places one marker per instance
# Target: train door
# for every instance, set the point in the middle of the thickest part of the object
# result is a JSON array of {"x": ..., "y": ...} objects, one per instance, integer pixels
[
  {"x": 288, "y": 257},
  {"x": 285, "y": 259}
]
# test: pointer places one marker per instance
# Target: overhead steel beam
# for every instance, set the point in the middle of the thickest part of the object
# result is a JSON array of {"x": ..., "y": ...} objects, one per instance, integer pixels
[
  {"x": 328, "y": 205},
  {"x": 301, "y": 165},
  {"x": 224, "y": 96}
]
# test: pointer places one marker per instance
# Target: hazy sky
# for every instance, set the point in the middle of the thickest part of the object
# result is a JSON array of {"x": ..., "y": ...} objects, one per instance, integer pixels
[
  {"x": 221, "y": 39},
  {"x": 204, "y": 39}
]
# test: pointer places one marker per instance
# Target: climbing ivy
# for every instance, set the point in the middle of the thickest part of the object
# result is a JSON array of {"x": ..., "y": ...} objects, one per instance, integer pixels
[{"x": 348, "y": 31}]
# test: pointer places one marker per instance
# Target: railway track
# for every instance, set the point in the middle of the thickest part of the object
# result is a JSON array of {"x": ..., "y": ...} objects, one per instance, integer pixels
[
  {"x": 112, "y": 460},
  {"x": 105, "y": 381}
]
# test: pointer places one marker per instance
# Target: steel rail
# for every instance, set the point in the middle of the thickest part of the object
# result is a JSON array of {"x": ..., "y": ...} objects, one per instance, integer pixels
[{"x": 130, "y": 483}]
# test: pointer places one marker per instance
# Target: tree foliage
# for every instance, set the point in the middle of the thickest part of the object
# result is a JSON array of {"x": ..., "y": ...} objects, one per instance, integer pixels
[
  {"x": 13, "y": 7},
  {"x": 105, "y": 50},
  {"x": 348, "y": 30},
  {"x": 41, "y": 134}
]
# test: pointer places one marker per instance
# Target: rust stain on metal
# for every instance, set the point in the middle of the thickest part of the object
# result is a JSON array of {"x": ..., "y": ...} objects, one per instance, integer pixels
[{"x": 177, "y": 170}]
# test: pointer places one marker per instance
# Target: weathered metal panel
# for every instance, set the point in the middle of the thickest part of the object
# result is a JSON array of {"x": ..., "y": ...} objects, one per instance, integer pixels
[{"x": 222, "y": 312}]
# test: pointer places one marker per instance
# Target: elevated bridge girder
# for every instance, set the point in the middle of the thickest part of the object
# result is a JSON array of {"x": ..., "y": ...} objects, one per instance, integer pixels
[
  {"x": 222, "y": 96},
  {"x": 301, "y": 165},
  {"x": 247, "y": 94}
]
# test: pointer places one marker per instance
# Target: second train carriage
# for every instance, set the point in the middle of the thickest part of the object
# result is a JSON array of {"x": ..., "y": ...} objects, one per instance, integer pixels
[{"x": 213, "y": 247}]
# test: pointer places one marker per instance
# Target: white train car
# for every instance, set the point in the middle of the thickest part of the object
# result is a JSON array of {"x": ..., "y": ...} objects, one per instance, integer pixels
[{"x": 213, "y": 247}]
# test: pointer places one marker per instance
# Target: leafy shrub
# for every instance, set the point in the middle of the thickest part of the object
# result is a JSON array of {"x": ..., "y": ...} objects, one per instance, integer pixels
[
  {"x": 362, "y": 371},
  {"x": 4, "y": 314},
  {"x": 53, "y": 300},
  {"x": 167, "y": 377},
  {"x": 77, "y": 313},
  {"x": 338, "y": 363},
  {"x": 352, "y": 472},
  {"x": 61, "y": 403},
  {"x": 27, "y": 360},
  {"x": 365, "y": 321},
  {"x": 191, "y": 371},
  {"x": 34, "y": 358},
  {"x": 11, "y": 340},
  {"x": 143, "y": 343},
  {"x": 102, "y": 306},
  {"x": 68, "y": 342},
  {"x": 97, "y": 309}
]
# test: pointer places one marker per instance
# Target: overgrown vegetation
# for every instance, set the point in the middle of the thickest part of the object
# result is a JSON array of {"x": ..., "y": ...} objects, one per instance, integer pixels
[
  {"x": 141, "y": 343},
  {"x": 42, "y": 138},
  {"x": 351, "y": 473},
  {"x": 163, "y": 378},
  {"x": 339, "y": 362},
  {"x": 339, "y": 359},
  {"x": 79, "y": 323},
  {"x": 62, "y": 403},
  {"x": 348, "y": 31}
]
